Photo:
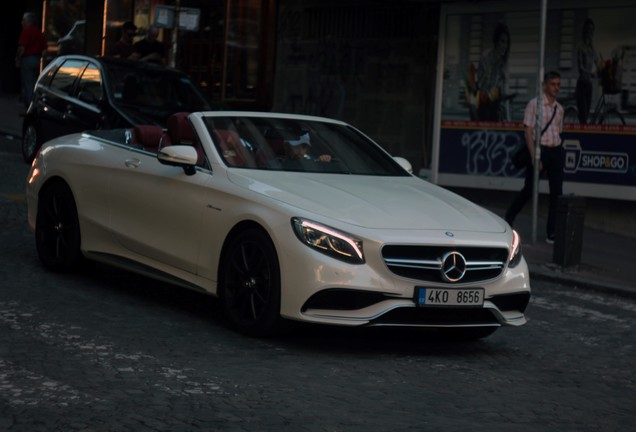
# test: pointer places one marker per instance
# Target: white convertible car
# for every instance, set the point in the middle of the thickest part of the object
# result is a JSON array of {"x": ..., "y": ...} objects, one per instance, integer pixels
[{"x": 283, "y": 217}]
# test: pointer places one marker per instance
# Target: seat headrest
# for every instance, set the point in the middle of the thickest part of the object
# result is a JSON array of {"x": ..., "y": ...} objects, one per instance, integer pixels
[
  {"x": 231, "y": 149},
  {"x": 228, "y": 136},
  {"x": 147, "y": 135},
  {"x": 180, "y": 130}
]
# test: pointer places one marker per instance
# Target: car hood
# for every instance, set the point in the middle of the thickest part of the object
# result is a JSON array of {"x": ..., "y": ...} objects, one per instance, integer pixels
[{"x": 372, "y": 201}]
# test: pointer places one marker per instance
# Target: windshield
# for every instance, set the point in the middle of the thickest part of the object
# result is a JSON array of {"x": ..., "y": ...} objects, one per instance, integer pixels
[
  {"x": 281, "y": 144},
  {"x": 154, "y": 91}
]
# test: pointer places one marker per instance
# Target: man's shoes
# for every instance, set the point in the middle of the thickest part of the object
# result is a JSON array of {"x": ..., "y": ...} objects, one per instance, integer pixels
[{"x": 550, "y": 239}]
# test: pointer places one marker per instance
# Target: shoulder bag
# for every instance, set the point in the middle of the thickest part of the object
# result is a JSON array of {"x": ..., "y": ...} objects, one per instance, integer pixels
[{"x": 522, "y": 157}]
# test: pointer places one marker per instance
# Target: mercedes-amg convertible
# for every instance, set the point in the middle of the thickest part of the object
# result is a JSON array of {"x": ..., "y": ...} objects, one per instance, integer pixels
[{"x": 282, "y": 217}]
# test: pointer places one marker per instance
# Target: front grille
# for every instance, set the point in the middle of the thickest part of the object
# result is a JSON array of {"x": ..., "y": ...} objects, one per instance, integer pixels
[{"x": 425, "y": 262}]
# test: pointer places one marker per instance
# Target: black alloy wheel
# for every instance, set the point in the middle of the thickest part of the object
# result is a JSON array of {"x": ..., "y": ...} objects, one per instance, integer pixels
[
  {"x": 57, "y": 231},
  {"x": 250, "y": 284},
  {"x": 30, "y": 142}
]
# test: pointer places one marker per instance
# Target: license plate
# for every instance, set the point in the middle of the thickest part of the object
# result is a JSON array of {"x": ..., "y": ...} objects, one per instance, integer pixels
[{"x": 458, "y": 297}]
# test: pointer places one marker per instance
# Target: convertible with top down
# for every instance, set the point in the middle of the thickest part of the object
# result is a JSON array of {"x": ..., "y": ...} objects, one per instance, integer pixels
[{"x": 282, "y": 217}]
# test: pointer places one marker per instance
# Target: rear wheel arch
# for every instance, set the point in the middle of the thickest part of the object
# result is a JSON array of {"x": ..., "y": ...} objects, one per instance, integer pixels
[{"x": 53, "y": 182}]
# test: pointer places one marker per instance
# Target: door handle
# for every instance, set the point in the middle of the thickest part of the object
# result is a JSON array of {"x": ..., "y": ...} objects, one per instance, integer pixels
[{"x": 132, "y": 163}]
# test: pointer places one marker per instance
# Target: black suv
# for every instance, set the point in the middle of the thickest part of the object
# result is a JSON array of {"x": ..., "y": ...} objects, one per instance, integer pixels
[{"x": 75, "y": 93}]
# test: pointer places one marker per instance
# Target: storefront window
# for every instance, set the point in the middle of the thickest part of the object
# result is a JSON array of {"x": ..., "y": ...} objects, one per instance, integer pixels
[
  {"x": 65, "y": 27},
  {"x": 242, "y": 49},
  {"x": 117, "y": 13},
  {"x": 231, "y": 55}
]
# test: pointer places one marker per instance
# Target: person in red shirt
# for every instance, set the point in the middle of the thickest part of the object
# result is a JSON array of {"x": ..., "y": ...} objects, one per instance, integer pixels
[{"x": 31, "y": 47}]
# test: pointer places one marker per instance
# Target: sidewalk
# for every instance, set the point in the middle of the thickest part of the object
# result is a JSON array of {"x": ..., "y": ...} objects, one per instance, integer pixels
[
  {"x": 608, "y": 258},
  {"x": 10, "y": 119}
]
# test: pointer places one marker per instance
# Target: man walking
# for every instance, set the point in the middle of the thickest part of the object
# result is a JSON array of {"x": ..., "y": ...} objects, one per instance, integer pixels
[
  {"x": 124, "y": 46},
  {"x": 150, "y": 49},
  {"x": 551, "y": 150},
  {"x": 31, "y": 47}
]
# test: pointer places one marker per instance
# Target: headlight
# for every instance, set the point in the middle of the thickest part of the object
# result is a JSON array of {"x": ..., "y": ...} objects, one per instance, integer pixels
[
  {"x": 329, "y": 241},
  {"x": 515, "y": 250}
]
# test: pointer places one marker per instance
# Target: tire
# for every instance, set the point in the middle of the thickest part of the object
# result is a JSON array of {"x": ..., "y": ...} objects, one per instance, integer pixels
[
  {"x": 57, "y": 230},
  {"x": 612, "y": 117},
  {"x": 468, "y": 333},
  {"x": 249, "y": 284},
  {"x": 31, "y": 142}
]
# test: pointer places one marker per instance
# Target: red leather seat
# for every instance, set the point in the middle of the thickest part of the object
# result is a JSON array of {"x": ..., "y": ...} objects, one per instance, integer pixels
[
  {"x": 147, "y": 136},
  {"x": 268, "y": 154},
  {"x": 181, "y": 132},
  {"x": 232, "y": 150}
]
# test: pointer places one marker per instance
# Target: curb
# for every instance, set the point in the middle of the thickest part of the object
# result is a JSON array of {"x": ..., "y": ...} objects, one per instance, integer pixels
[{"x": 558, "y": 275}]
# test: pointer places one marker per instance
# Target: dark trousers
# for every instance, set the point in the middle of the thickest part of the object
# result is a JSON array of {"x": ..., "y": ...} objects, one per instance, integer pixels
[
  {"x": 29, "y": 70},
  {"x": 583, "y": 93},
  {"x": 552, "y": 159}
]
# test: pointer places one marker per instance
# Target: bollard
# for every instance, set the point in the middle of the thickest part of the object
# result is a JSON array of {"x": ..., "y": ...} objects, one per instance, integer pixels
[{"x": 568, "y": 241}]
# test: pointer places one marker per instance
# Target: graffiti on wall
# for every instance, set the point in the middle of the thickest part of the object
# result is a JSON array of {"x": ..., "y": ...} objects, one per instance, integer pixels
[{"x": 488, "y": 152}]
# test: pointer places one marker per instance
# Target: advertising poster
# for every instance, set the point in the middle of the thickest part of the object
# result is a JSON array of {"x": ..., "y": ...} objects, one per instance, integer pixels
[{"x": 491, "y": 61}]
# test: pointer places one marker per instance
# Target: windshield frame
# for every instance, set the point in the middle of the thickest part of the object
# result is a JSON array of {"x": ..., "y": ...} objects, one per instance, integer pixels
[{"x": 266, "y": 143}]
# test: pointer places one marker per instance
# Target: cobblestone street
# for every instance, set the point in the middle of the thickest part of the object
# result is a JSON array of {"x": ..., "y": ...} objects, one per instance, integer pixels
[{"x": 104, "y": 350}]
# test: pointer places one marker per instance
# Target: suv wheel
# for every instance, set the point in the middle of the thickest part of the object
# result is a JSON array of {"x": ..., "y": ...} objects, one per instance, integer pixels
[{"x": 31, "y": 142}]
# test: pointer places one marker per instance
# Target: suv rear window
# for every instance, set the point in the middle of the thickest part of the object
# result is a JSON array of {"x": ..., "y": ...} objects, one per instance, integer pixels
[
  {"x": 66, "y": 75},
  {"x": 91, "y": 83}
]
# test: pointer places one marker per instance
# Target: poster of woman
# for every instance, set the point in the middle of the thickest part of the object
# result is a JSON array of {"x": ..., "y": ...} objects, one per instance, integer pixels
[{"x": 490, "y": 74}]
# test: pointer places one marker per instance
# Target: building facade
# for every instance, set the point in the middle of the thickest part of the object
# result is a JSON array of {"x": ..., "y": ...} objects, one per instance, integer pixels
[{"x": 442, "y": 83}]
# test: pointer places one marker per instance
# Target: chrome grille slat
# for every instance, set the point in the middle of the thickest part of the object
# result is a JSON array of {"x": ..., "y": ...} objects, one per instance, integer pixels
[
  {"x": 429, "y": 264},
  {"x": 425, "y": 262},
  {"x": 485, "y": 263}
]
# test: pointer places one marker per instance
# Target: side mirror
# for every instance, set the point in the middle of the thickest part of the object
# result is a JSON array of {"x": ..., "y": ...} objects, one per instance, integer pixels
[
  {"x": 179, "y": 155},
  {"x": 404, "y": 164}
]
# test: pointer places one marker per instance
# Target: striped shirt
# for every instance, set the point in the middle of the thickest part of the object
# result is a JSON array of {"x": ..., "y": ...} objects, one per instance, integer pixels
[{"x": 551, "y": 137}]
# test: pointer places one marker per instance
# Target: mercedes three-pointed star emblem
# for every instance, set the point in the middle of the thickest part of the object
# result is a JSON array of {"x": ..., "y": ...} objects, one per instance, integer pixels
[{"x": 453, "y": 266}]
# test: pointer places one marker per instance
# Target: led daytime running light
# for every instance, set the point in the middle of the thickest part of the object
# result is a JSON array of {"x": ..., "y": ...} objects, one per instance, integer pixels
[
  {"x": 515, "y": 250},
  {"x": 329, "y": 232},
  {"x": 326, "y": 240}
]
